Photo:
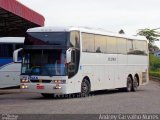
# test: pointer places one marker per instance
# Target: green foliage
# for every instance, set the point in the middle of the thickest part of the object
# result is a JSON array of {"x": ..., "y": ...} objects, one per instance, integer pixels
[
  {"x": 154, "y": 66},
  {"x": 152, "y": 36},
  {"x": 155, "y": 73},
  {"x": 154, "y": 62}
]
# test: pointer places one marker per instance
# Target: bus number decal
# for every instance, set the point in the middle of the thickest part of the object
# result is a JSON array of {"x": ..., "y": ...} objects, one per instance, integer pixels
[{"x": 111, "y": 59}]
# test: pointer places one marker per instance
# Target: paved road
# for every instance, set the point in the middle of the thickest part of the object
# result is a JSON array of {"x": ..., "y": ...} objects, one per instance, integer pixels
[{"x": 145, "y": 100}]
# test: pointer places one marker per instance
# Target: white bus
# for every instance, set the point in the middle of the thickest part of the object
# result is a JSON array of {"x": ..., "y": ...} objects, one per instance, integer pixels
[
  {"x": 9, "y": 71},
  {"x": 80, "y": 60}
]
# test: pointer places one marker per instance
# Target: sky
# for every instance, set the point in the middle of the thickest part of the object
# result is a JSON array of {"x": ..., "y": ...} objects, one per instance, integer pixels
[{"x": 111, "y": 15}]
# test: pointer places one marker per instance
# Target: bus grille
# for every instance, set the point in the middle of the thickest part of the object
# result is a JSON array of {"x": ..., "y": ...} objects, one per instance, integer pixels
[{"x": 40, "y": 81}]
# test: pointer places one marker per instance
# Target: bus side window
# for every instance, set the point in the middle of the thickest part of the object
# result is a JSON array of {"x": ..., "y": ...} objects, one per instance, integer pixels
[
  {"x": 17, "y": 46},
  {"x": 75, "y": 45},
  {"x": 6, "y": 50},
  {"x": 72, "y": 65}
]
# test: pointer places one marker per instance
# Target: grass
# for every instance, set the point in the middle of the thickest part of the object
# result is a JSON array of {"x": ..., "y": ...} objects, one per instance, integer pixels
[
  {"x": 155, "y": 73},
  {"x": 154, "y": 66}
]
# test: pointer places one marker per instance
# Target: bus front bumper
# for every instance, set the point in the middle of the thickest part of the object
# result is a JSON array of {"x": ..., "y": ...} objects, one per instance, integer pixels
[{"x": 44, "y": 88}]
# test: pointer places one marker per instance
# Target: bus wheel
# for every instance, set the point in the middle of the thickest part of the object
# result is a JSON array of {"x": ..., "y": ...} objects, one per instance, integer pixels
[
  {"x": 129, "y": 84},
  {"x": 85, "y": 88},
  {"x": 135, "y": 84},
  {"x": 47, "y": 95}
]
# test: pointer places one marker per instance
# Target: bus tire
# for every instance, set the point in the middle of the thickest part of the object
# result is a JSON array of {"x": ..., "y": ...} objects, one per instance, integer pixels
[
  {"x": 46, "y": 95},
  {"x": 135, "y": 84},
  {"x": 129, "y": 84},
  {"x": 85, "y": 88}
]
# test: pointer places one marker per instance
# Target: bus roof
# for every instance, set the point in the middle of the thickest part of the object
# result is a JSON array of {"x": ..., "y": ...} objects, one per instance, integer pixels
[
  {"x": 11, "y": 39},
  {"x": 86, "y": 30}
]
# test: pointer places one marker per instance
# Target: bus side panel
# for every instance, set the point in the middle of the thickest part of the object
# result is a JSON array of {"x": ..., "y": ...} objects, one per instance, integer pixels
[
  {"x": 74, "y": 83},
  {"x": 121, "y": 71},
  {"x": 138, "y": 65},
  {"x": 100, "y": 71},
  {"x": 91, "y": 68},
  {"x": 9, "y": 75}
]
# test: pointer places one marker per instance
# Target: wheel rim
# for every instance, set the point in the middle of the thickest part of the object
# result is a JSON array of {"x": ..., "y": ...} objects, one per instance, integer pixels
[
  {"x": 135, "y": 84},
  {"x": 129, "y": 84},
  {"x": 84, "y": 88}
]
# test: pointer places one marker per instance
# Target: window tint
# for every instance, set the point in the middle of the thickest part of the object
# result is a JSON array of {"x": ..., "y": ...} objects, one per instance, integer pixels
[
  {"x": 88, "y": 42},
  {"x": 6, "y": 50},
  {"x": 17, "y": 46},
  {"x": 122, "y": 45},
  {"x": 100, "y": 44},
  {"x": 129, "y": 46},
  {"x": 141, "y": 45},
  {"x": 75, "y": 43},
  {"x": 46, "y": 38},
  {"x": 111, "y": 45},
  {"x": 75, "y": 39},
  {"x": 137, "y": 47}
]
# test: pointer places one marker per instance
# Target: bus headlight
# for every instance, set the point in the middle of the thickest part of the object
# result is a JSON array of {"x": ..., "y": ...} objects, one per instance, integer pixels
[
  {"x": 24, "y": 81},
  {"x": 24, "y": 86},
  {"x": 59, "y": 81}
]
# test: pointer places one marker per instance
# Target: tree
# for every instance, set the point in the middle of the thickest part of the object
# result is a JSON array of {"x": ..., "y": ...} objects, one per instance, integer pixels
[
  {"x": 152, "y": 36},
  {"x": 121, "y": 31}
]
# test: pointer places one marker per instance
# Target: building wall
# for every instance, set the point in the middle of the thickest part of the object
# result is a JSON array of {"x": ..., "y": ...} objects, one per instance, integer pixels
[{"x": 157, "y": 54}]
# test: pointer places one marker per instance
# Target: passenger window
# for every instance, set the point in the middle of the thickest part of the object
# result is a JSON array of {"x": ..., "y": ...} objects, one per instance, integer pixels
[
  {"x": 17, "y": 46},
  {"x": 6, "y": 50},
  {"x": 129, "y": 46},
  {"x": 75, "y": 39},
  {"x": 100, "y": 44},
  {"x": 88, "y": 42},
  {"x": 122, "y": 45},
  {"x": 140, "y": 47},
  {"x": 111, "y": 45}
]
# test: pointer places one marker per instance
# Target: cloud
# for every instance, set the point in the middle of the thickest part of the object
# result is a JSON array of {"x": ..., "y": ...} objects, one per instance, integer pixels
[{"x": 112, "y": 15}]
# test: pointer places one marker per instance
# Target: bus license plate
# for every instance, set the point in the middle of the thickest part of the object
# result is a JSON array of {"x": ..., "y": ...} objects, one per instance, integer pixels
[{"x": 40, "y": 87}]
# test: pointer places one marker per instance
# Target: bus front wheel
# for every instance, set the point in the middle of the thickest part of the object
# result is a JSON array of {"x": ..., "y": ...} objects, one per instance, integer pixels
[{"x": 85, "y": 88}]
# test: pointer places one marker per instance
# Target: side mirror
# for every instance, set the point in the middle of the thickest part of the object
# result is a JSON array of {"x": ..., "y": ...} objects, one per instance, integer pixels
[
  {"x": 16, "y": 55},
  {"x": 69, "y": 55}
]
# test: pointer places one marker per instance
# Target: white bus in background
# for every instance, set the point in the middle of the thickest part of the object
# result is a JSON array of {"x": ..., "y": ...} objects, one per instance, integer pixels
[
  {"x": 80, "y": 60},
  {"x": 9, "y": 71}
]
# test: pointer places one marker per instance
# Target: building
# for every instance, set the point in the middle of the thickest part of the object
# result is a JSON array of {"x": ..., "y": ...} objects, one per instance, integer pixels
[
  {"x": 16, "y": 18},
  {"x": 157, "y": 53}
]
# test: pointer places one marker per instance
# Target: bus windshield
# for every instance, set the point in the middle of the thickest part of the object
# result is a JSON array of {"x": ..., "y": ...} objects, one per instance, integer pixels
[
  {"x": 46, "y": 38},
  {"x": 44, "y": 62}
]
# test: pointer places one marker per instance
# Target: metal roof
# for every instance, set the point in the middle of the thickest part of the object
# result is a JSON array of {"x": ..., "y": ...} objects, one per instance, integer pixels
[{"x": 16, "y": 18}]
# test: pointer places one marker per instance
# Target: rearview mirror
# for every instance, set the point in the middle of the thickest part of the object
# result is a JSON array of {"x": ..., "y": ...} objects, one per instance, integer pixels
[
  {"x": 69, "y": 55},
  {"x": 16, "y": 56}
]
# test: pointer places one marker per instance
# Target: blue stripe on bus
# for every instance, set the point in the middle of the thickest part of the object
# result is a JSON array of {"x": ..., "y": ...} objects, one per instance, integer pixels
[{"x": 5, "y": 61}]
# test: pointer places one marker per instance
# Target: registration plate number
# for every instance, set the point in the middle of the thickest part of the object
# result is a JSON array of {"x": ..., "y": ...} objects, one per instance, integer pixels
[{"x": 40, "y": 87}]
